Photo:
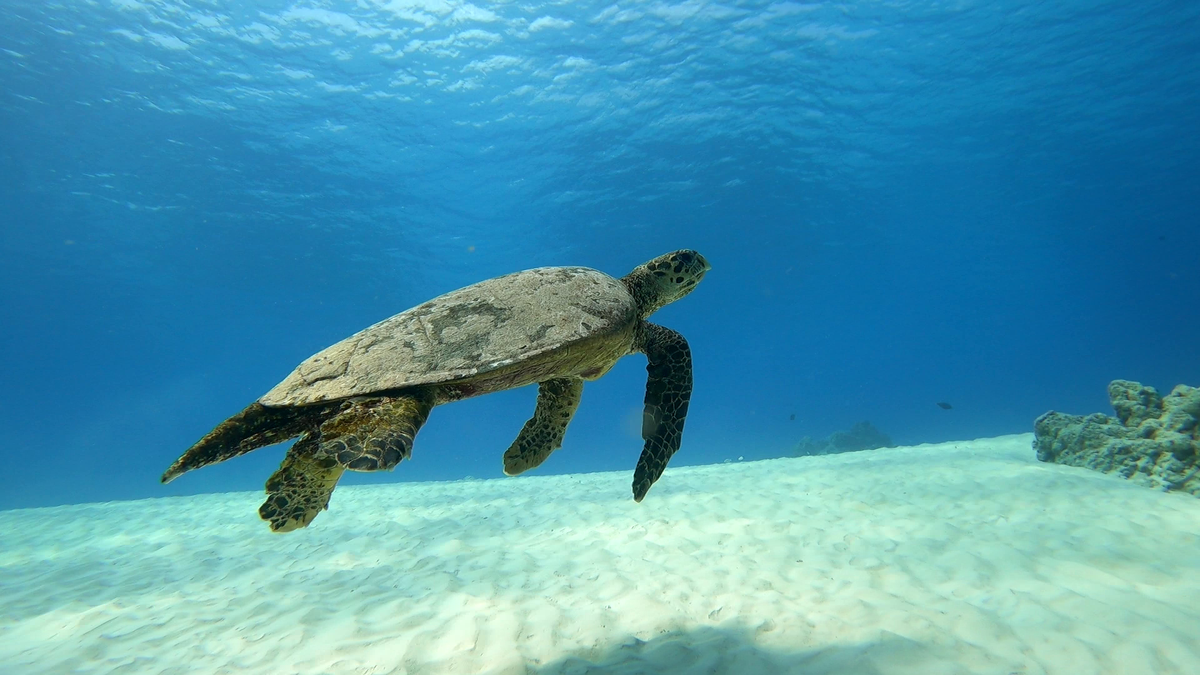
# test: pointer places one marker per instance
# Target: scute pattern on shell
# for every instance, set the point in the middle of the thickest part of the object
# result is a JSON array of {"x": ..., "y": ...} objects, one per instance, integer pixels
[{"x": 464, "y": 333}]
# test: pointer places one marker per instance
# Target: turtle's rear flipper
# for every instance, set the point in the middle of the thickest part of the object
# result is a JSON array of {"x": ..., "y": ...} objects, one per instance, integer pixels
[
  {"x": 254, "y": 427},
  {"x": 300, "y": 489},
  {"x": 543, "y": 433},
  {"x": 668, "y": 389},
  {"x": 374, "y": 434}
]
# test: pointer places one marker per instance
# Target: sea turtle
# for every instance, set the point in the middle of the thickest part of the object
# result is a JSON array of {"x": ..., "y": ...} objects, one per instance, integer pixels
[{"x": 359, "y": 404}]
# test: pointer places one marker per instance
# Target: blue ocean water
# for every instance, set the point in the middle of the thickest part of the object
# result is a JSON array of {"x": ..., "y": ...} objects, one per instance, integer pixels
[{"x": 990, "y": 204}]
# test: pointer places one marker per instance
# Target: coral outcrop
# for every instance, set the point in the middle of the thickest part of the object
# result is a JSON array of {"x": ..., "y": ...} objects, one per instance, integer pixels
[
  {"x": 1153, "y": 440},
  {"x": 862, "y": 436}
]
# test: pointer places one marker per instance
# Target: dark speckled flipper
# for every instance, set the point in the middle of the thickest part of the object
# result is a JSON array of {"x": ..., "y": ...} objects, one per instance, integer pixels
[
  {"x": 668, "y": 389},
  {"x": 300, "y": 489},
  {"x": 370, "y": 434},
  {"x": 374, "y": 434},
  {"x": 254, "y": 427},
  {"x": 543, "y": 433}
]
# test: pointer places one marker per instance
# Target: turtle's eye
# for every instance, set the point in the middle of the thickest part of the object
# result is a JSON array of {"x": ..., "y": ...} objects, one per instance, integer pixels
[{"x": 686, "y": 257}]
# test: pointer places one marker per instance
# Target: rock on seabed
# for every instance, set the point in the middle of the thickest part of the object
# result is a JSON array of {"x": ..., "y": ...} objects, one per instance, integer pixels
[{"x": 1153, "y": 440}]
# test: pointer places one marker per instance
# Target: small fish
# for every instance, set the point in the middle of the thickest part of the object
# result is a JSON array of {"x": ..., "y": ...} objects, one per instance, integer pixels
[
  {"x": 792, "y": 417},
  {"x": 944, "y": 406}
]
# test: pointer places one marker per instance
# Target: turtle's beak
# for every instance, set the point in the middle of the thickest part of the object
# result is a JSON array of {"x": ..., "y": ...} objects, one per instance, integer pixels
[{"x": 704, "y": 261}]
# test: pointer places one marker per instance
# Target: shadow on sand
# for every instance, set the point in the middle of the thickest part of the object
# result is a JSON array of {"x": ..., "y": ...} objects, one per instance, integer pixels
[{"x": 733, "y": 651}]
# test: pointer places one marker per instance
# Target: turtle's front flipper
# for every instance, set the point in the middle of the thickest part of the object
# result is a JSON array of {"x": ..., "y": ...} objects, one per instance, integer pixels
[
  {"x": 300, "y": 489},
  {"x": 543, "y": 433},
  {"x": 668, "y": 389},
  {"x": 374, "y": 434}
]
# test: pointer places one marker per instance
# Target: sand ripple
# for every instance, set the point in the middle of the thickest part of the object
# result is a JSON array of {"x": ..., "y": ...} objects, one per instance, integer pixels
[{"x": 955, "y": 558}]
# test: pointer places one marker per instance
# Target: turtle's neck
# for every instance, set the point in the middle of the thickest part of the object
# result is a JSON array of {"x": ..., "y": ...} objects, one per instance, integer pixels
[{"x": 640, "y": 284}]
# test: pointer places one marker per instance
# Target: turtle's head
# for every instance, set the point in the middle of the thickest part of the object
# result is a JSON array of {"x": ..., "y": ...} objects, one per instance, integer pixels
[{"x": 665, "y": 279}]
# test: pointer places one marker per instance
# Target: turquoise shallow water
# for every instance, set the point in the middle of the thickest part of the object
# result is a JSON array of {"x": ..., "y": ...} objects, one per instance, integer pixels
[{"x": 986, "y": 205}]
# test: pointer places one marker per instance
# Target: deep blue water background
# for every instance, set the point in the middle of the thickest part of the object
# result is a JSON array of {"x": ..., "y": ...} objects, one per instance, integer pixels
[{"x": 993, "y": 204}]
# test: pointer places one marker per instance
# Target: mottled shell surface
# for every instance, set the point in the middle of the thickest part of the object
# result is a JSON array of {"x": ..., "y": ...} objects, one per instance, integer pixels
[{"x": 466, "y": 333}]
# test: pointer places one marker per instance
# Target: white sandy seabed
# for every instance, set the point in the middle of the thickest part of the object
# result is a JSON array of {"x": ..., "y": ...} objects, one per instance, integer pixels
[{"x": 966, "y": 557}]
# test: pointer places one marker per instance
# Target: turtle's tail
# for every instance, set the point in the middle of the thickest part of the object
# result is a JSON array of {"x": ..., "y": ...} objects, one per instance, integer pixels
[{"x": 254, "y": 427}]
